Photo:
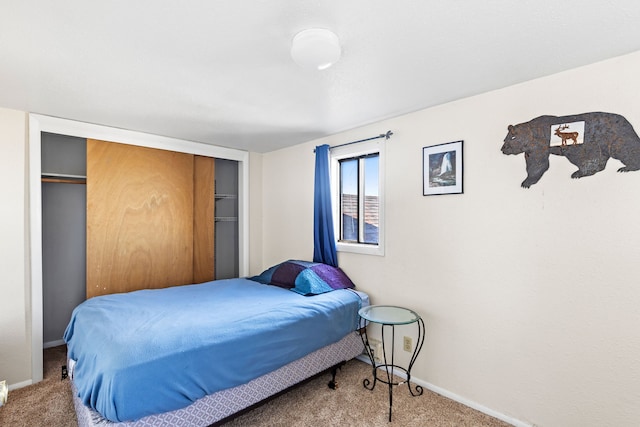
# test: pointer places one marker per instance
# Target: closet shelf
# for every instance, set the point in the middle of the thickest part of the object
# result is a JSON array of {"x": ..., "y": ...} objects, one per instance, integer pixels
[
  {"x": 225, "y": 196},
  {"x": 63, "y": 178},
  {"x": 226, "y": 219},
  {"x": 62, "y": 175}
]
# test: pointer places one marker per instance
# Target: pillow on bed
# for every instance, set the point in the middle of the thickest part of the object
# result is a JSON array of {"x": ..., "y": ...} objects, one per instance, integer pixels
[{"x": 305, "y": 278}]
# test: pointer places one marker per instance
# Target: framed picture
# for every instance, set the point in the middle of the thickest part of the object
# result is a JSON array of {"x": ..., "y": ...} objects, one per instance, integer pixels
[{"x": 442, "y": 169}]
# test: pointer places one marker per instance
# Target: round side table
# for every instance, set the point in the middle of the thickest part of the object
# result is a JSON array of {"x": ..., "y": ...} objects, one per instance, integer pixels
[{"x": 389, "y": 317}]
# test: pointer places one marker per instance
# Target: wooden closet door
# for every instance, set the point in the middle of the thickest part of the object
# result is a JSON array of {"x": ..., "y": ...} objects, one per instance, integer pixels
[
  {"x": 203, "y": 219},
  {"x": 139, "y": 218}
]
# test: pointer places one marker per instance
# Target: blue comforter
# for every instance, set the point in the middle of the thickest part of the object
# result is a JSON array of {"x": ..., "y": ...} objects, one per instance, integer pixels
[{"x": 154, "y": 351}]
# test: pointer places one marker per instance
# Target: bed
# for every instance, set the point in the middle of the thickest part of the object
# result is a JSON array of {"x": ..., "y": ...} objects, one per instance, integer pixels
[{"x": 197, "y": 354}]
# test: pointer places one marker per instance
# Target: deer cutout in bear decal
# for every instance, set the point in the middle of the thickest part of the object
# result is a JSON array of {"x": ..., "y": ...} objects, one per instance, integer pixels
[{"x": 566, "y": 135}]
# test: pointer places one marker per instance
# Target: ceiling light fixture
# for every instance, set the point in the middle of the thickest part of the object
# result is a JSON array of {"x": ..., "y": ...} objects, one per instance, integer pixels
[{"x": 316, "y": 48}]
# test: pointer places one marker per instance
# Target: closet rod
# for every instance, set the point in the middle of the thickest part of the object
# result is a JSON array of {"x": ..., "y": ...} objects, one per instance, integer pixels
[
  {"x": 382, "y": 135},
  {"x": 64, "y": 180}
]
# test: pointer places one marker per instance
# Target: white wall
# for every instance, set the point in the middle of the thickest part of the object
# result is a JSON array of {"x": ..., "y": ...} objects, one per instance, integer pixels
[
  {"x": 15, "y": 334},
  {"x": 531, "y": 296}
]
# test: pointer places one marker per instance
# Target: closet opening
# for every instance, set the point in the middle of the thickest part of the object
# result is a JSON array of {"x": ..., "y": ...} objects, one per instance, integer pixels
[{"x": 64, "y": 199}]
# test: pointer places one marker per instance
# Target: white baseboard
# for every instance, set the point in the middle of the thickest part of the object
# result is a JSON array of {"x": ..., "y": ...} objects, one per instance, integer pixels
[
  {"x": 29, "y": 382},
  {"x": 53, "y": 344},
  {"x": 455, "y": 397},
  {"x": 20, "y": 385}
]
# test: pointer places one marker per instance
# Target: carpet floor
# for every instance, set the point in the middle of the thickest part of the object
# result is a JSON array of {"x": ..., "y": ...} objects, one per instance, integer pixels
[{"x": 49, "y": 403}]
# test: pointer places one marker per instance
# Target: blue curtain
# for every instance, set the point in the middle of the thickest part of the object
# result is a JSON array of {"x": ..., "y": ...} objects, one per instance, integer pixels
[{"x": 324, "y": 242}]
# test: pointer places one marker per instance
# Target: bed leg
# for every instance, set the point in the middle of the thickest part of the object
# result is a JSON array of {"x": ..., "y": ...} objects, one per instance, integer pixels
[{"x": 334, "y": 371}]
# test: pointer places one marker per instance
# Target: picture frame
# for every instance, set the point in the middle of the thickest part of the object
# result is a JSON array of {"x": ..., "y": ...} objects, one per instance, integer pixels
[{"x": 442, "y": 169}]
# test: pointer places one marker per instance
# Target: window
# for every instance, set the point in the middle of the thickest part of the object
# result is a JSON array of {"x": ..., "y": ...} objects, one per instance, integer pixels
[{"x": 358, "y": 197}]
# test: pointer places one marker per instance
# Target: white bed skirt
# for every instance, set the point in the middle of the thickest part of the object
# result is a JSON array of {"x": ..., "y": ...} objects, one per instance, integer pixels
[{"x": 222, "y": 404}]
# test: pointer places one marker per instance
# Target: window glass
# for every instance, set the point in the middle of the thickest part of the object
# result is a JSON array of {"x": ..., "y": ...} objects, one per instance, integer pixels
[
  {"x": 349, "y": 200},
  {"x": 359, "y": 204},
  {"x": 371, "y": 203}
]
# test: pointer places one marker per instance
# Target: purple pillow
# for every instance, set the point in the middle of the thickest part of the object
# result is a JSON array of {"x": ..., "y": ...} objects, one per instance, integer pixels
[{"x": 304, "y": 277}]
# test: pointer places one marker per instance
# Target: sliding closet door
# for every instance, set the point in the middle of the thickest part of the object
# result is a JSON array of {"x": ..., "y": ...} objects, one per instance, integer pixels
[
  {"x": 139, "y": 218},
  {"x": 203, "y": 219}
]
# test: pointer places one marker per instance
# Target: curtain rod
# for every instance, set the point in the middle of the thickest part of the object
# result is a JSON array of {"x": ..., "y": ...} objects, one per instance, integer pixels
[{"x": 382, "y": 135}]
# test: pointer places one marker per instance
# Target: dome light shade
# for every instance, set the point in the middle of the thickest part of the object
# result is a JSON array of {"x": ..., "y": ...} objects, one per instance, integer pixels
[{"x": 315, "y": 48}]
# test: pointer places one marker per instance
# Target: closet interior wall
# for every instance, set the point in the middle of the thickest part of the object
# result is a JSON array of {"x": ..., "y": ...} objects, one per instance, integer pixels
[{"x": 64, "y": 196}]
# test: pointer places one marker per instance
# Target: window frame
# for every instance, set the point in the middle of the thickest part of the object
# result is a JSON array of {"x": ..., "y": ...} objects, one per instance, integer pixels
[{"x": 354, "y": 151}]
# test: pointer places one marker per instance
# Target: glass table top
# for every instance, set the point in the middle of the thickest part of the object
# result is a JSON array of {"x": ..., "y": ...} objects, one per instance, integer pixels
[{"x": 388, "y": 314}]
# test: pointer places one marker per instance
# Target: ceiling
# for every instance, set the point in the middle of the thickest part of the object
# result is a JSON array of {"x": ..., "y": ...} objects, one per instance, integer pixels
[{"x": 220, "y": 72}]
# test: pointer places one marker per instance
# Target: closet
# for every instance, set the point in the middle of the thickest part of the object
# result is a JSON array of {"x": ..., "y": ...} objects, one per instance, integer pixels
[{"x": 119, "y": 217}]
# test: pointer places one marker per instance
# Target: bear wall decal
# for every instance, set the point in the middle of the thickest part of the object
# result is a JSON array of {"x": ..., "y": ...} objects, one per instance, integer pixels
[{"x": 587, "y": 140}]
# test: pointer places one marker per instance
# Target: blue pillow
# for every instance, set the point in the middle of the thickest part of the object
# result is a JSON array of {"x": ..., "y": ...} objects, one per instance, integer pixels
[{"x": 305, "y": 278}]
